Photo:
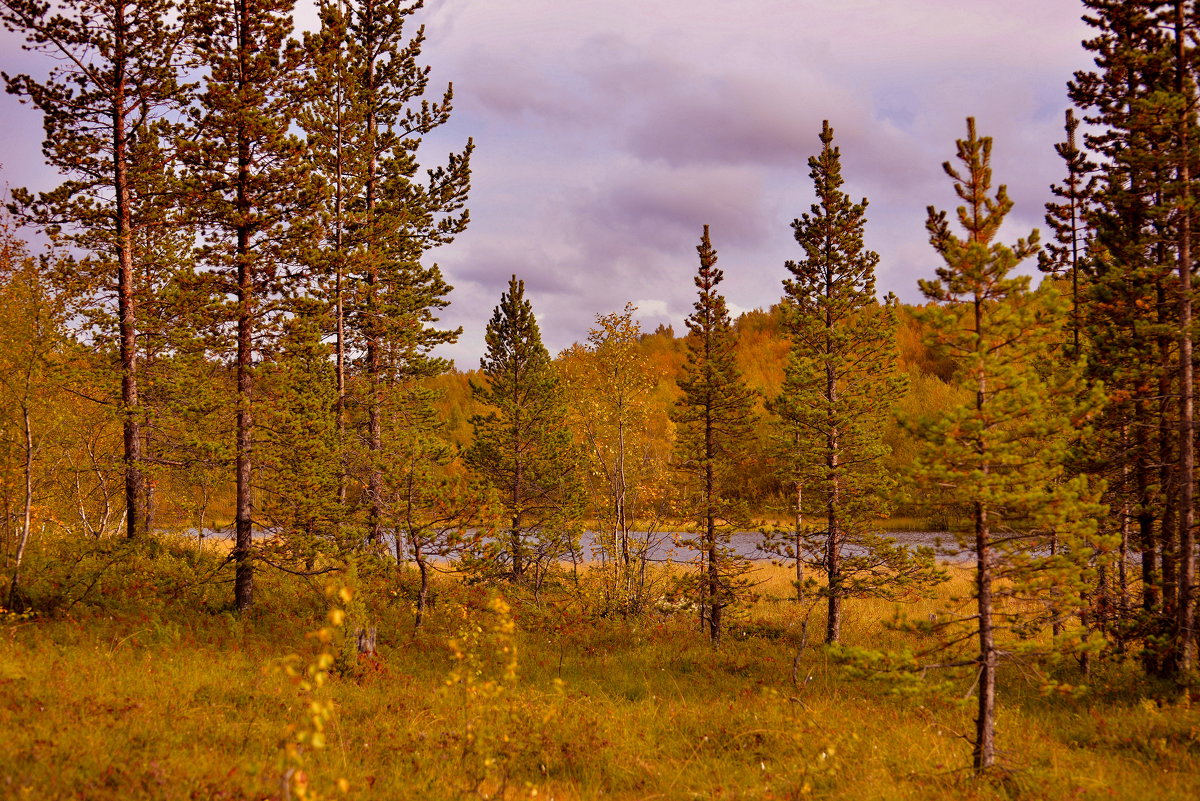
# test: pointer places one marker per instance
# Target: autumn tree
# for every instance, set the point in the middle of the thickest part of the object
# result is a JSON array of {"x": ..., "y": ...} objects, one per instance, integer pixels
[
  {"x": 522, "y": 447},
  {"x": 714, "y": 417},
  {"x": 115, "y": 83},
  {"x": 839, "y": 391},
  {"x": 430, "y": 505},
  {"x": 1002, "y": 454},
  {"x": 32, "y": 372},
  {"x": 610, "y": 387}
]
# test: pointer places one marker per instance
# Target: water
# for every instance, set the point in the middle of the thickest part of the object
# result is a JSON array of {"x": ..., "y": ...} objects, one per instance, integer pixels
[{"x": 666, "y": 547}]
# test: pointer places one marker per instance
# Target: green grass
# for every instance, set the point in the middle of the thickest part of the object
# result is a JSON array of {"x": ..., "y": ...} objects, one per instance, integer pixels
[{"x": 145, "y": 691}]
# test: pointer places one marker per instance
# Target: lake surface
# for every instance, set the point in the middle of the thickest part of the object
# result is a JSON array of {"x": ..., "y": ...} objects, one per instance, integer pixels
[{"x": 665, "y": 546}]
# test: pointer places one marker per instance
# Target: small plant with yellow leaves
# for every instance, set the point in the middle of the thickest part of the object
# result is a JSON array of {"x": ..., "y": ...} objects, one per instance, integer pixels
[
  {"x": 485, "y": 671},
  {"x": 10, "y": 616},
  {"x": 308, "y": 736}
]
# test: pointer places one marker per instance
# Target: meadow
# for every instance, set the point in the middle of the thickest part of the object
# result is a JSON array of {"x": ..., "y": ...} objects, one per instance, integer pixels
[{"x": 140, "y": 683}]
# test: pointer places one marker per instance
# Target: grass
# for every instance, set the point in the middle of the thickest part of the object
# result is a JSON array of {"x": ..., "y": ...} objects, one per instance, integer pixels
[{"x": 146, "y": 691}]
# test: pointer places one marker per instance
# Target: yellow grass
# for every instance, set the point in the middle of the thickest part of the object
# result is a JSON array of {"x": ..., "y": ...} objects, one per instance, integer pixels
[{"x": 138, "y": 695}]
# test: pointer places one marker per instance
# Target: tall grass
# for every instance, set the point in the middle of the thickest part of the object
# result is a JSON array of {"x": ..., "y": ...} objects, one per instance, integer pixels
[{"x": 151, "y": 689}]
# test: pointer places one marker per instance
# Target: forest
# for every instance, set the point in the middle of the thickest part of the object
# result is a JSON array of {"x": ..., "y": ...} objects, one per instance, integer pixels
[{"x": 260, "y": 541}]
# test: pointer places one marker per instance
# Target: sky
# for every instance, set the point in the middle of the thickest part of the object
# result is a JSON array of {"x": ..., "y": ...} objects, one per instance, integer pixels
[{"x": 609, "y": 133}]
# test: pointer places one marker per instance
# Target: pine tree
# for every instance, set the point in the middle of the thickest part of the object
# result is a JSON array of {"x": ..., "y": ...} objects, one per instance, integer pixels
[
  {"x": 116, "y": 81},
  {"x": 330, "y": 123},
  {"x": 428, "y": 501},
  {"x": 249, "y": 191},
  {"x": 1138, "y": 299},
  {"x": 299, "y": 447},
  {"x": 715, "y": 419},
  {"x": 1001, "y": 455},
  {"x": 366, "y": 119},
  {"x": 840, "y": 388},
  {"x": 1067, "y": 219},
  {"x": 1181, "y": 110},
  {"x": 522, "y": 447}
]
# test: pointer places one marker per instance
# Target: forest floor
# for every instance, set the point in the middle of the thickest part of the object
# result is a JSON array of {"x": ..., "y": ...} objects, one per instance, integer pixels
[{"x": 146, "y": 686}]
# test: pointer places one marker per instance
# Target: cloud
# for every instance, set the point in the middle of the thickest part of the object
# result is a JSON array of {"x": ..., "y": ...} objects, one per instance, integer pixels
[
  {"x": 609, "y": 133},
  {"x": 649, "y": 309},
  {"x": 657, "y": 206}
]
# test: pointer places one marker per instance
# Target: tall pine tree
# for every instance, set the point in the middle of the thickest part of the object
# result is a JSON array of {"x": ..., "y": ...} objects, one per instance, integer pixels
[
  {"x": 250, "y": 191},
  {"x": 366, "y": 119},
  {"x": 715, "y": 420},
  {"x": 1140, "y": 99},
  {"x": 1001, "y": 455},
  {"x": 840, "y": 386},
  {"x": 115, "y": 82},
  {"x": 522, "y": 447}
]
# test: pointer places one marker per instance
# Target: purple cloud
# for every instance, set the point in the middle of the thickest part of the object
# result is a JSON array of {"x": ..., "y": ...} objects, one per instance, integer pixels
[{"x": 608, "y": 133}]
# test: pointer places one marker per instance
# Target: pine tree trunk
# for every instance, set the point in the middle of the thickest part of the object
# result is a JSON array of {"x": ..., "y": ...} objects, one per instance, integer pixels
[
  {"x": 833, "y": 556},
  {"x": 1056, "y": 623},
  {"x": 1145, "y": 512},
  {"x": 135, "y": 494},
  {"x": 1168, "y": 459},
  {"x": 1187, "y": 454},
  {"x": 339, "y": 309},
  {"x": 244, "y": 580},
  {"x": 710, "y": 532},
  {"x": 243, "y": 587},
  {"x": 833, "y": 562},
  {"x": 514, "y": 545},
  {"x": 514, "y": 535},
  {"x": 621, "y": 522},
  {"x": 1123, "y": 557},
  {"x": 985, "y": 719},
  {"x": 799, "y": 543},
  {"x": 423, "y": 590}
]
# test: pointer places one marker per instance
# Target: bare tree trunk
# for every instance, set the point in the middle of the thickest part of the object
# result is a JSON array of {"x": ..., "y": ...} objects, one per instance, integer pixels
[
  {"x": 833, "y": 555},
  {"x": 514, "y": 532},
  {"x": 715, "y": 601},
  {"x": 27, "y": 510},
  {"x": 1056, "y": 622},
  {"x": 833, "y": 567}
]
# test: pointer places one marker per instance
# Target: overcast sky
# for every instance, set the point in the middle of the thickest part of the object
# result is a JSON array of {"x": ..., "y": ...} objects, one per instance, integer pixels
[{"x": 608, "y": 133}]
